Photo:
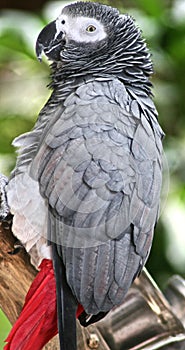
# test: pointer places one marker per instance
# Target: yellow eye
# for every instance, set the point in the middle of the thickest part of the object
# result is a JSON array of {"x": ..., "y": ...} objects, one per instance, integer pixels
[{"x": 91, "y": 28}]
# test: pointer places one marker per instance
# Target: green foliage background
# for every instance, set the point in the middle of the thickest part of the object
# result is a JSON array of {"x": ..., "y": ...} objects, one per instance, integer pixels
[{"x": 23, "y": 83}]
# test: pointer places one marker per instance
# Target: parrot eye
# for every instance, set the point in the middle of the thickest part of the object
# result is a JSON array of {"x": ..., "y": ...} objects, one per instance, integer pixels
[{"x": 90, "y": 28}]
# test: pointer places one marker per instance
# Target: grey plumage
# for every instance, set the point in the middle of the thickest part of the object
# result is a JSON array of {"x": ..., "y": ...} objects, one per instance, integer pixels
[
  {"x": 103, "y": 180},
  {"x": 96, "y": 153}
]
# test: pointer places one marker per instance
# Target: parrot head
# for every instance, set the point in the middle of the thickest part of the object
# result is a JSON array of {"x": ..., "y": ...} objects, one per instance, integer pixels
[
  {"x": 80, "y": 25},
  {"x": 91, "y": 37}
]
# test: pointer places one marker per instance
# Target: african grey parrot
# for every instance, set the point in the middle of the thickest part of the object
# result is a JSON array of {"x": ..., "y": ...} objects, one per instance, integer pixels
[{"x": 85, "y": 190}]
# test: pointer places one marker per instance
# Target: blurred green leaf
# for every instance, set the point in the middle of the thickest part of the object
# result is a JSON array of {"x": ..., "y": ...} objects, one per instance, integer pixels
[
  {"x": 10, "y": 128},
  {"x": 153, "y": 7},
  {"x": 12, "y": 40},
  {"x": 5, "y": 327}
]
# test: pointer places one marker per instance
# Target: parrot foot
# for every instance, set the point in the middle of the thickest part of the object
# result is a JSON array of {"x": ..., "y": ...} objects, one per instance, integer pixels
[
  {"x": 5, "y": 215},
  {"x": 86, "y": 320},
  {"x": 17, "y": 248}
]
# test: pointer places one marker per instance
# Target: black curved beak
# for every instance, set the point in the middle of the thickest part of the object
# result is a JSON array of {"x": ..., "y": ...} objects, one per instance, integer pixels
[{"x": 50, "y": 42}]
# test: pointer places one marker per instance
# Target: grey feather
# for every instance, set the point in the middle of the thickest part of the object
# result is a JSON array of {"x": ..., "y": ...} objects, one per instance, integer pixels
[{"x": 88, "y": 193}]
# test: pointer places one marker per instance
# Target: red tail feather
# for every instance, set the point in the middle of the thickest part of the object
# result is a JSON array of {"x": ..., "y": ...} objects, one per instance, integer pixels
[{"x": 37, "y": 323}]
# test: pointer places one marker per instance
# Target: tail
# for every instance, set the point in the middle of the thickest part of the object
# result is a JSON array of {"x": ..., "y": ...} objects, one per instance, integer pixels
[
  {"x": 66, "y": 305},
  {"x": 37, "y": 323}
]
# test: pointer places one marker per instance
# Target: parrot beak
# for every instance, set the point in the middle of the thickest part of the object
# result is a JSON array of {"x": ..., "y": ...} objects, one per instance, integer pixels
[{"x": 50, "y": 40}]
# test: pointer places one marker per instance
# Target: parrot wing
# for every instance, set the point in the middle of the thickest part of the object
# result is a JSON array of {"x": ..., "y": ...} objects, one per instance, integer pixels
[{"x": 99, "y": 167}]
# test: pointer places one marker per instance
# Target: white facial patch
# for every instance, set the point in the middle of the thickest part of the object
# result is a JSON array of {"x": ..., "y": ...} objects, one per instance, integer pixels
[{"x": 80, "y": 29}]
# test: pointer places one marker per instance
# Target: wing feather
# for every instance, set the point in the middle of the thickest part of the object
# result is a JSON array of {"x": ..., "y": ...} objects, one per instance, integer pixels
[{"x": 99, "y": 167}]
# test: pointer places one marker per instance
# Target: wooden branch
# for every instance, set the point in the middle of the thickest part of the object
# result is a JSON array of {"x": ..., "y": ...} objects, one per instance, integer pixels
[{"x": 16, "y": 276}]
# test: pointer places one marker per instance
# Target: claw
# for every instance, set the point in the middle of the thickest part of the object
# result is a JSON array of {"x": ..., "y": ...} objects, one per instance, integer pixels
[
  {"x": 86, "y": 320},
  {"x": 17, "y": 248},
  {"x": 4, "y": 208}
]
